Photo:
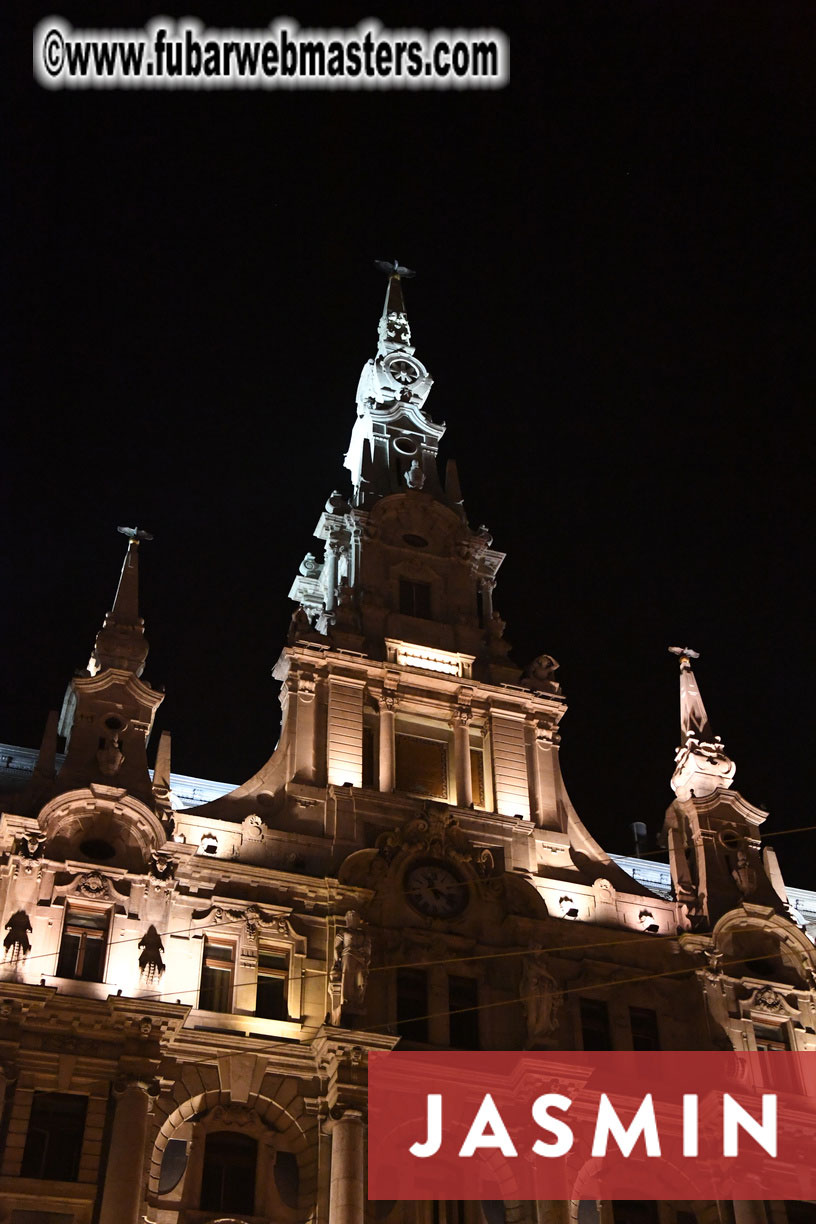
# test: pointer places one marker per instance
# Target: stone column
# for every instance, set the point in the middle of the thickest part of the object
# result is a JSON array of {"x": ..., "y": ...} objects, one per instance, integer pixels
[
  {"x": 334, "y": 548},
  {"x": 387, "y": 770},
  {"x": 347, "y": 1193},
  {"x": 122, "y": 1197},
  {"x": 461, "y": 757},
  {"x": 487, "y": 586},
  {"x": 354, "y": 553}
]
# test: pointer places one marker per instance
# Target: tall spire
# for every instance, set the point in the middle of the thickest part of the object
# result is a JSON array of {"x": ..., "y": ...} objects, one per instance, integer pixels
[
  {"x": 701, "y": 763},
  {"x": 394, "y": 442},
  {"x": 120, "y": 642},
  {"x": 394, "y": 330}
]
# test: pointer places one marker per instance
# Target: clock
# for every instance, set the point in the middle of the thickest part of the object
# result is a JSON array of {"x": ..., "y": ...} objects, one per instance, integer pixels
[
  {"x": 403, "y": 370},
  {"x": 434, "y": 890}
]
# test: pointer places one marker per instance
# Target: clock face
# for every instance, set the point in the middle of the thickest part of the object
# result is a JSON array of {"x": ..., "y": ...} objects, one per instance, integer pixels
[
  {"x": 403, "y": 371},
  {"x": 434, "y": 890}
]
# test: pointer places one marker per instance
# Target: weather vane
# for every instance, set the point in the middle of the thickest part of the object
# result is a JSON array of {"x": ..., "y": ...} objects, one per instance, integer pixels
[
  {"x": 134, "y": 533},
  {"x": 684, "y": 652},
  {"x": 393, "y": 268}
]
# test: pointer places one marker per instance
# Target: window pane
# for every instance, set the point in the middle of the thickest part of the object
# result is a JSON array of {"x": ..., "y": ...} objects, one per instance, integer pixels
[
  {"x": 93, "y": 959},
  {"x": 83, "y": 944},
  {"x": 463, "y": 992},
  {"x": 174, "y": 1162},
  {"x": 287, "y": 1178},
  {"x": 595, "y": 1025},
  {"x": 54, "y": 1140},
  {"x": 68, "y": 956},
  {"x": 216, "y": 989},
  {"x": 271, "y": 999},
  {"x": 412, "y": 1004},
  {"x": 422, "y": 766},
  {"x": 415, "y": 598},
  {"x": 228, "y": 1180},
  {"x": 477, "y": 774},
  {"x": 368, "y": 756},
  {"x": 87, "y": 920},
  {"x": 219, "y": 952},
  {"x": 645, "y": 1033}
]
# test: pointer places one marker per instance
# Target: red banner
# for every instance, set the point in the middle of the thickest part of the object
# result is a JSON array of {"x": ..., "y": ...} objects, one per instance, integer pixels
[{"x": 612, "y": 1125}]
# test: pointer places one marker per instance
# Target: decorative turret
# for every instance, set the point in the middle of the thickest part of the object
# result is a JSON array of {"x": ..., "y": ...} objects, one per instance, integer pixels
[
  {"x": 121, "y": 641},
  {"x": 400, "y": 560},
  {"x": 702, "y": 765},
  {"x": 394, "y": 442},
  {"x": 711, "y": 831},
  {"x": 108, "y": 711}
]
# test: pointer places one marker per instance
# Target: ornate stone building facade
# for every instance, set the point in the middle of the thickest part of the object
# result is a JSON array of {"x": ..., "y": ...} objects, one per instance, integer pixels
[{"x": 189, "y": 990}]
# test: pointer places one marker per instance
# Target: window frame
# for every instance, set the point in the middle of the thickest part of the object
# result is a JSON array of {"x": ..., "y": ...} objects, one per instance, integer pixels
[
  {"x": 600, "y": 1007},
  {"x": 268, "y": 947},
  {"x": 59, "y": 1128},
  {"x": 406, "y": 585},
  {"x": 99, "y": 934},
  {"x": 219, "y": 965}
]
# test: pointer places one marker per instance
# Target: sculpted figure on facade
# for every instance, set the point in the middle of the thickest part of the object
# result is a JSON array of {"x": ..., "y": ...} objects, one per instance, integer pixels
[
  {"x": 541, "y": 998},
  {"x": 349, "y": 973},
  {"x": 744, "y": 875},
  {"x": 17, "y": 944},
  {"x": 151, "y": 964}
]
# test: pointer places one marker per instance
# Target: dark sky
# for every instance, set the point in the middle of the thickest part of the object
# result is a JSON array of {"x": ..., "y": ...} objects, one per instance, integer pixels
[{"x": 615, "y": 259}]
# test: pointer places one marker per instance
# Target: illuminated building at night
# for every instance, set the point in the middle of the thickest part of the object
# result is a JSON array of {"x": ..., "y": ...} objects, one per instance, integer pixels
[{"x": 193, "y": 974}]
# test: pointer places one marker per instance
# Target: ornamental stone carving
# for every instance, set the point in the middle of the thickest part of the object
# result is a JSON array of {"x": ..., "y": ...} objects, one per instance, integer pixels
[
  {"x": 768, "y": 1000},
  {"x": 541, "y": 998},
  {"x": 162, "y": 866},
  {"x": 30, "y": 845},
  {"x": 94, "y": 884},
  {"x": 438, "y": 834},
  {"x": 348, "y": 977}
]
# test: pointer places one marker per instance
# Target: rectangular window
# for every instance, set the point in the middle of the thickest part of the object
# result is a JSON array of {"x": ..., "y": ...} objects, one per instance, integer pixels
[
  {"x": 773, "y": 1038},
  {"x": 463, "y": 999},
  {"x": 645, "y": 1033},
  {"x": 595, "y": 1031},
  {"x": 421, "y": 766},
  {"x": 215, "y": 993},
  {"x": 415, "y": 598},
  {"x": 368, "y": 756},
  {"x": 412, "y": 1004},
  {"x": 82, "y": 947},
  {"x": 56, "y": 1128},
  {"x": 272, "y": 1000},
  {"x": 477, "y": 776}
]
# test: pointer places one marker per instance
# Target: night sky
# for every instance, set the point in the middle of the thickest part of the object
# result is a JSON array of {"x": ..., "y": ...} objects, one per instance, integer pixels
[{"x": 614, "y": 297}]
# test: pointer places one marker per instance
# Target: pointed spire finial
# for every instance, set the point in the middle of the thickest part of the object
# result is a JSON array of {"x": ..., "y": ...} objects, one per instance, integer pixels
[
  {"x": 394, "y": 331},
  {"x": 693, "y": 716},
  {"x": 702, "y": 765},
  {"x": 121, "y": 642}
]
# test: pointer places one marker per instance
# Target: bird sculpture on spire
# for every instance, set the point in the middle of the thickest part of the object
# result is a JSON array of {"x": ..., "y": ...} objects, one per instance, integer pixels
[
  {"x": 134, "y": 533},
  {"x": 393, "y": 268}
]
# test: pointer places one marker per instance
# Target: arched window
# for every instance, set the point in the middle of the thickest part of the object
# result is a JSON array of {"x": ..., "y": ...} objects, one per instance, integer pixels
[{"x": 228, "y": 1181}]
